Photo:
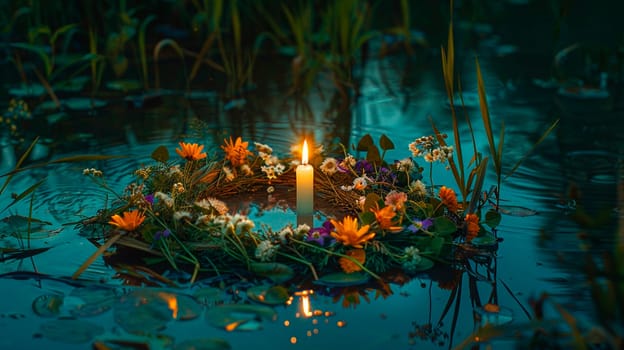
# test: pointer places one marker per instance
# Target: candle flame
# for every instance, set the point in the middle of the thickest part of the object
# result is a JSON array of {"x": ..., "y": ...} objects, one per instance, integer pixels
[{"x": 304, "y": 153}]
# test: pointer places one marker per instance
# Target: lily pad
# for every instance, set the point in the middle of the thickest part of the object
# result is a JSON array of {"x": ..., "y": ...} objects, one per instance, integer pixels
[
  {"x": 48, "y": 305},
  {"x": 116, "y": 340},
  {"x": 423, "y": 264},
  {"x": 70, "y": 331},
  {"x": 75, "y": 84},
  {"x": 270, "y": 295},
  {"x": 95, "y": 301},
  {"x": 341, "y": 279},
  {"x": 239, "y": 317},
  {"x": 277, "y": 272},
  {"x": 144, "y": 311},
  {"x": 124, "y": 85},
  {"x": 203, "y": 344},
  {"x": 208, "y": 296},
  {"x": 83, "y": 104},
  {"x": 28, "y": 90},
  {"x": 485, "y": 241}
]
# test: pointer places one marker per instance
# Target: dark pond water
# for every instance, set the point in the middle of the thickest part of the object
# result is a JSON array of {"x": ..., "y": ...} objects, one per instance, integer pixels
[{"x": 577, "y": 167}]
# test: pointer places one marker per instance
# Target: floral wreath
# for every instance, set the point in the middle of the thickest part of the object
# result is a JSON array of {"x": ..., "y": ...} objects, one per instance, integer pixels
[{"x": 380, "y": 215}]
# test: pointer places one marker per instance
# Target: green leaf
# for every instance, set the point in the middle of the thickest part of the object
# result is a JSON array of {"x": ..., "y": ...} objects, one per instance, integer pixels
[
  {"x": 365, "y": 143},
  {"x": 444, "y": 225},
  {"x": 436, "y": 245},
  {"x": 160, "y": 154},
  {"x": 492, "y": 218},
  {"x": 371, "y": 201},
  {"x": 367, "y": 218},
  {"x": 385, "y": 143},
  {"x": 277, "y": 272}
]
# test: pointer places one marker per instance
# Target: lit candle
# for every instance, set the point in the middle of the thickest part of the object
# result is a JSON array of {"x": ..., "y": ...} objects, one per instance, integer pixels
[{"x": 305, "y": 188}]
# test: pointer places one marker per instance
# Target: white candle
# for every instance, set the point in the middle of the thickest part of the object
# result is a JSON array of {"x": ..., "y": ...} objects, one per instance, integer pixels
[{"x": 305, "y": 185}]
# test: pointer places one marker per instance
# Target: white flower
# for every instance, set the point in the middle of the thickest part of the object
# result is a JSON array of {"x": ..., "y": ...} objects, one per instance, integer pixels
[
  {"x": 348, "y": 162},
  {"x": 412, "y": 252},
  {"x": 262, "y": 148},
  {"x": 246, "y": 169},
  {"x": 284, "y": 233},
  {"x": 412, "y": 259},
  {"x": 269, "y": 171},
  {"x": 405, "y": 165},
  {"x": 279, "y": 168},
  {"x": 165, "y": 198},
  {"x": 302, "y": 230},
  {"x": 203, "y": 220},
  {"x": 271, "y": 160},
  {"x": 418, "y": 187},
  {"x": 229, "y": 175},
  {"x": 175, "y": 170},
  {"x": 181, "y": 214},
  {"x": 244, "y": 225},
  {"x": 329, "y": 166},
  {"x": 266, "y": 250},
  {"x": 360, "y": 202},
  {"x": 360, "y": 183}
]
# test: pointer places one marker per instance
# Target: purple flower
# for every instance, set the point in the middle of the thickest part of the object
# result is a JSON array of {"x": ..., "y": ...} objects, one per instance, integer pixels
[
  {"x": 386, "y": 175},
  {"x": 162, "y": 234},
  {"x": 321, "y": 235},
  {"x": 419, "y": 225},
  {"x": 363, "y": 166},
  {"x": 149, "y": 199}
]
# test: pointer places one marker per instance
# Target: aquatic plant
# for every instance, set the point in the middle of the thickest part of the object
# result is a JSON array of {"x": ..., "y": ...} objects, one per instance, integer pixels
[
  {"x": 345, "y": 25},
  {"x": 43, "y": 42}
]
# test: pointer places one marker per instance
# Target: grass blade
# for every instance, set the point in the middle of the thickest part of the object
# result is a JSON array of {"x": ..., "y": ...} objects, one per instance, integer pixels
[
  {"x": 18, "y": 164},
  {"x": 26, "y": 192}
]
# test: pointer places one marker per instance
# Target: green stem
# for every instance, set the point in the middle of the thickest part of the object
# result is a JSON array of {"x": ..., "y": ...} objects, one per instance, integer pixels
[{"x": 305, "y": 262}]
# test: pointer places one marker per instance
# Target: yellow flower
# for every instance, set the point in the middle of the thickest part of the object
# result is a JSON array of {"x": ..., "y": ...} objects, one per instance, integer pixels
[
  {"x": 236, "y": 152},
  {"x": 385, "y": 217},
  {"x": 191, "y": 151},
  {"x": 128, "y": 221},
  {"x": 449, "y": 199},
  {"x": 347, "y": 232},
  {"x": 348, "y": 265}
]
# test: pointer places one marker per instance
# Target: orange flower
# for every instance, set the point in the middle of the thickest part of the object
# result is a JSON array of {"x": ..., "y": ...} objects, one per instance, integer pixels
[
  {"x": 385, "y": 217},
  {"x": 191, "y": 151},
  {"x": 128, "y": 221},
  {"x": 347, "y": 232},
  {"x": 449, "y": 199},
  {"x": 348, "y": 265},
  {"x": 236, "y": 152},
  {"x": 472, "y": 226}
]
